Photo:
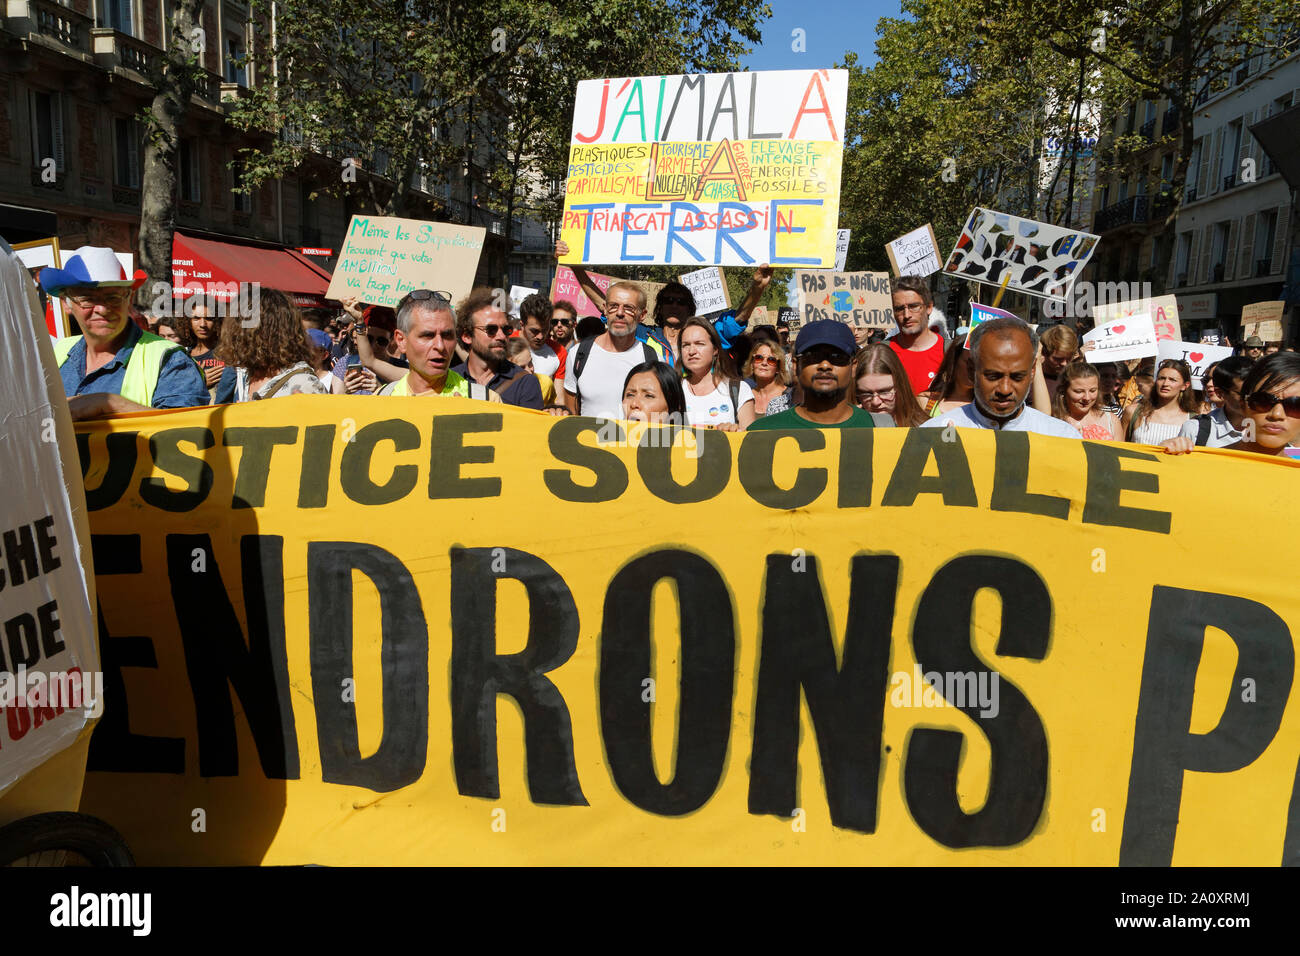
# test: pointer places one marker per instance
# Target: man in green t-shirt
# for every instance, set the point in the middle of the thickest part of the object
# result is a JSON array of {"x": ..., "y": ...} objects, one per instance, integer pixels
[{"x": 824, "y": 356}]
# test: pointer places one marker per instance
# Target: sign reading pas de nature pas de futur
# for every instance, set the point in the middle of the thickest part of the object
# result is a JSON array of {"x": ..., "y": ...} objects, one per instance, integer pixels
[
  {"x": 376, "y": 662},
  {"x": 728, "y": 169}
]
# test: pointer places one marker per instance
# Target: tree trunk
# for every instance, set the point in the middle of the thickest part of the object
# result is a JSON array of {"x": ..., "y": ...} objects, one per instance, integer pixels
[{"x": 163, "y": 122}]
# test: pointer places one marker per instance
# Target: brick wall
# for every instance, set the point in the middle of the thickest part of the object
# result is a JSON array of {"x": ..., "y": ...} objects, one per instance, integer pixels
[
  {"x": 88, "y": 152},
  {"x": 150, "y": 17},
  {"x": 218, "y": 177}
]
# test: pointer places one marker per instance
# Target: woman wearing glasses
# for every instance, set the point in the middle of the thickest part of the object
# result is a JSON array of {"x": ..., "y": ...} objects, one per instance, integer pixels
[
  {"x": 882, "y": 386},
  {"x": 1162, "y": 414},
  {"x": 767, "y": 377}
]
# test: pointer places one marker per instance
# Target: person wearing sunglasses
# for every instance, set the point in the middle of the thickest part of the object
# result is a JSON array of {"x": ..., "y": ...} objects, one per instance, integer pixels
[
  {"x": 483, "y": 330},
  {"x": 564, "y": 319},
  {"x": 1004, "y": 352},
  {"x": 114, "y": 366},
  {"x": 1270, "y": 399},
  {"x": 824, "y": 358}
]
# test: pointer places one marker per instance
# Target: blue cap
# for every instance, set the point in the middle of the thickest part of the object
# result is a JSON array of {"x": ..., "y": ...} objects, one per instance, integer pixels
[
  {"x": 320, "y": 338},
  {"x": 825, "y": 332}
]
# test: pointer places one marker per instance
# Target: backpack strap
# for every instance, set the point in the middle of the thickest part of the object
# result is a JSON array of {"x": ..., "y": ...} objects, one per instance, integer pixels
[
  {"x": 1202, "y": 429},
  {"x": 279, "y": 382},
  {"x": 650, "y": 354},
  {"x": 579, "y": 363},
  {"x": 733, "y": 386}
]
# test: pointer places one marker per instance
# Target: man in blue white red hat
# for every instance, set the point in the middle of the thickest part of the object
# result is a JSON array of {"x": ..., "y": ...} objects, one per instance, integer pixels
[{"x": 114, "y": 367}]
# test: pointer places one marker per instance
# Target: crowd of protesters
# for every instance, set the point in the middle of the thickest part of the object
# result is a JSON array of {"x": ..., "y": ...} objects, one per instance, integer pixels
[{"x": 666, "y": 365}]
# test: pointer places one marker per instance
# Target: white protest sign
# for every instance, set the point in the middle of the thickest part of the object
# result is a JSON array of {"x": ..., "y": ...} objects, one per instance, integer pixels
[
  {"x": 1131, "y": 337},
  {"x": 1198, "y": 357},
  {"x": 1163, "y": 310},
  {"x": 517, "y": 295},
  {"x": 384, "y": 258},
  {"x": 1021, "y": 255},
  {"x": 842, "y": 248},
  {"x": 709, "y": 286},
  {"x": 915, "y": 254},
  {"x": 50, "y": 658}
]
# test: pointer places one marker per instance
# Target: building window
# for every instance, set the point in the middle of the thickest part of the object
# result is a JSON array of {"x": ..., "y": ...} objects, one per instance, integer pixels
[
  {"x": 1167, "y": 171},
  {"x": 189, "y": 175},
  {"x": 1231, "y": 147},
  {"x": 127, "y": 137},
  {"x": 1218, "y": 251},
  {"x": 1265, "y": 232},
  {"x": 1193, "y": 171},
  {"x": 236, "y": 69},
  {"x": 243, "y": 201},
  {"x": 47, "y": 129},
  {"x": 1180, "y": 260},
  {"x": 117, "y": 15}
]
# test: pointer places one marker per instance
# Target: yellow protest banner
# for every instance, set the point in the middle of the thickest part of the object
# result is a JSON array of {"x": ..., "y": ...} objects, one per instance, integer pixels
[{"x": 330, "y": 637}]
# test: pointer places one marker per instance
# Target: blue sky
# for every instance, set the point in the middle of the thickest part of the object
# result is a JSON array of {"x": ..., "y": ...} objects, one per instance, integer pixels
[{"x": 830, "y": 28}]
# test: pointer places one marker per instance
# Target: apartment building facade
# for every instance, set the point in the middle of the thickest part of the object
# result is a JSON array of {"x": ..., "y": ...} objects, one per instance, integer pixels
[{"x": 74, "y": 77}]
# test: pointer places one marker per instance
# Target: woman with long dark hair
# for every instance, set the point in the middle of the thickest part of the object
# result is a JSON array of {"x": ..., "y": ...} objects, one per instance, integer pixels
[
  {"x": 715, "y": 395},
  {"x": 954, "y": 383},
  {"x": 652, "y": 392},
  {"x": 1161, "y": 415}
]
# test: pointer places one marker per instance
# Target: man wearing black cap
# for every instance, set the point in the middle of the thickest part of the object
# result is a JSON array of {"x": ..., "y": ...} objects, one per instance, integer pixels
[{"x": 824, "y": 355}]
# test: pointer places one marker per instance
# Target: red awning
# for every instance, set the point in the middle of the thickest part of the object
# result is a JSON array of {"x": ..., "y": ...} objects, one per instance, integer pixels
[{"x": 215, "y": 268}]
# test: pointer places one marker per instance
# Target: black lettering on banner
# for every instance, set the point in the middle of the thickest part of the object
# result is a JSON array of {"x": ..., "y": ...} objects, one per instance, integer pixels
[
  {"x": 1291, "y": 840},
  {"x": 47, "y": 616},
  {"x": 847, "y": 702},
  {"x": 1163, "y": 747},
  {"x": 217, "y": 659},
  {"x": 164, "y": 448},
  {"x": 479, "y": 674},
  {"x": 317, "y": 456},
  {"x": 255, "y": 461},
  {"x": 46, "y": 541},
  {"x": 113, "y": 747},
  {"x": 20, "y": 554},
  {"x": 121, "y": 448},
  {"x": 754, "y": 468},
  {"x": 609, "y": 471},
  {"x": 953, "y": 481},
  {"x": 448, "y": 452},
  {"x": 1011, "y": 480},
  {"x": 1018, "y": 769},
  {"x": 1107, "y": 478},
  {"x": 712, "y": 466},
  {"x": 855, "y": 467},
  {"x": 354, "y": 466},
  {"x": 22, "y": 641},
  {"x": 708, "y": 670},
  {"x": 403, "y": 659}
]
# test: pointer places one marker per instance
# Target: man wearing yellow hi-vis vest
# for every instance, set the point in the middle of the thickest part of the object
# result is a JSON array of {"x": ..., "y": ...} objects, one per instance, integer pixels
[{"x": 115, "y": 367}]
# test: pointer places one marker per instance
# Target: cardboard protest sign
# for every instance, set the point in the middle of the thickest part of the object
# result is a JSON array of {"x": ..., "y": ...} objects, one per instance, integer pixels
[
  {"x": 842, "y": 248},
  {"x": 1198, "y": 357},
  {"x": 50, "y": 679},
  {"x": 915, "y": 253},
  {"x": 1022, "y": 255},
  {"x": 1162, "y": 310},
  {"x": 1131, "y": 337},
  {"x": 760, "y": 316},
  {"x": 638, "y": 571},
  {"x": 727, "y": 169},
  {"x": 383, "y": 258},
  {"x": 709, "y": 286},
  {"x": 982, "y": 313},
  {"x": 1263, "y": 319},
  {"x": 517, "y": 295},
  {"x": 861, "y": 299}
]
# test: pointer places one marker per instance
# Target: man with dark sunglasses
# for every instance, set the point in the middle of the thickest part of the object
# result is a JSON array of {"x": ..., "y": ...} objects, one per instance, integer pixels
[
  {"x": 824, "y": 355},
  {"x": 482, "y": 327},
  {"x": 564, "y": 319}
]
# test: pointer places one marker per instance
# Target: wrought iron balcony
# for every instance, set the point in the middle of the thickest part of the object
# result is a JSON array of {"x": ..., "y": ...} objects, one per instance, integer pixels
[{"x": 1126, "y": 212}]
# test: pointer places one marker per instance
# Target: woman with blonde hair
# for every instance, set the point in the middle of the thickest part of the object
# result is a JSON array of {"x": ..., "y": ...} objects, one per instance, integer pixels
[
  {"x": 882, "y": 385},
  {"x": 1078, "y": 401},
  {"x": 768, "y": 377},
  {"x": 272, "y": 356}
]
